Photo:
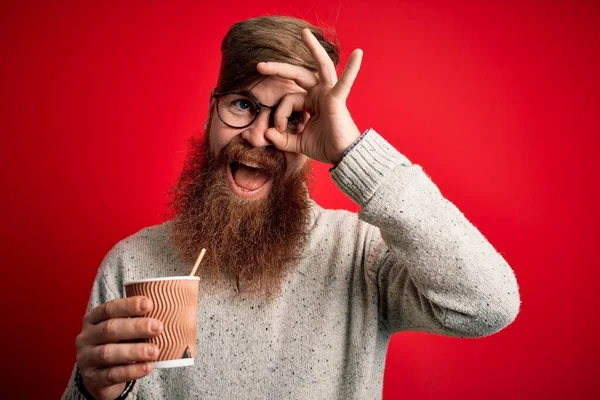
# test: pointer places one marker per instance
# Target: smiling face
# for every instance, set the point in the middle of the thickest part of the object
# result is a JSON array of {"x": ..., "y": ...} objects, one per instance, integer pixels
[
  {"x": 243, "y": 200},
  {"x": 238, "y": 196},
  {"x": 251, "y": 173}
]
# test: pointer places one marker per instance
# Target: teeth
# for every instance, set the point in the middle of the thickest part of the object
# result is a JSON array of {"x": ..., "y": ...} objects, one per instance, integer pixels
[{"x": 251, "y": 165}]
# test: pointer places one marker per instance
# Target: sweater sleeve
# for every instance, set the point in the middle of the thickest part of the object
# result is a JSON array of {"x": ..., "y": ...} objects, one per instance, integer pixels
[
  {"x": 433, "y": 270},
  {"x": 107, "y": 286}
]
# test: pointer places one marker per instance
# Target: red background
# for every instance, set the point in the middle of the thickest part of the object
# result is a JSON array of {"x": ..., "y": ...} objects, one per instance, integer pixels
[{"x": 498, "y": 101}]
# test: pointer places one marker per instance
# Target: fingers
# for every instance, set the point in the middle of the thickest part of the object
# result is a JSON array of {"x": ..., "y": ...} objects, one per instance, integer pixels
[
  {"x": 284, "y": 141},
  {"x": 105, "y": 377},
  {"x": 120, "y": 329},
  {"x": 289, "y": 103},
  {"x": 303, "y": 77},
  {"x": 326, "y": 67},
  {"x": 342, "y": 88},
  {"x": 116, "y": 354},
  {"x": 98, "y": 347},
  {"x": 118, "y": 308}
]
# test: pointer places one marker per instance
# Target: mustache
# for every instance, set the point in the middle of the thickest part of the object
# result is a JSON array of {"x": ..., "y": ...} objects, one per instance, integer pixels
[{"x": 269, "y": 158}]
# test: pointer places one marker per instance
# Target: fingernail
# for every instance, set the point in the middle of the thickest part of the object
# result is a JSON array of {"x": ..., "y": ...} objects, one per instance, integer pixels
[
  {"x": 155, "y": 326},
  {"x": 145, "y": 305},
  {"x": 150, "y": 350}
]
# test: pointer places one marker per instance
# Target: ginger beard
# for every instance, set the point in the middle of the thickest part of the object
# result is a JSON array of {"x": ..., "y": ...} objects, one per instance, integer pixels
[{"x": 251, "y": 244}]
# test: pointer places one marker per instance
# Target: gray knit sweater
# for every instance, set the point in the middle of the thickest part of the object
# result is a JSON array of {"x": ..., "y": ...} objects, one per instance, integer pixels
[{"x": 409, "y": 261}]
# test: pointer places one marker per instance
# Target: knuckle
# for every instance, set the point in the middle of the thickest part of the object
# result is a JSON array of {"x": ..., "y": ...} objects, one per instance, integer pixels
[
  {"x": 143, "y": 325},
  {"x": 138, "y": 324},
  {"x": 142, "y": 305},
  {"x": 79, "y": 341},
  {"x": 104, "y": 354},
  {"x": 109, "y": 329},
  {"x": 135, "y": 304},
  {"x": 87, "y": 318},
  {"x": 136, "y": 352},
  {"x": 109, "y": 308},
  {"x": 112, "y": 376}
]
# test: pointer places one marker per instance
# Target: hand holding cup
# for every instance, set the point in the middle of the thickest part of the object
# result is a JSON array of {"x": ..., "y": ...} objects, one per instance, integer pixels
[{"x": 105, "y": 362}]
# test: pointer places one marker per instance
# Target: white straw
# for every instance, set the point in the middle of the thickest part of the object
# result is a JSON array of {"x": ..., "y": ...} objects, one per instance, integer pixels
[{"x": 198, "y": 262}]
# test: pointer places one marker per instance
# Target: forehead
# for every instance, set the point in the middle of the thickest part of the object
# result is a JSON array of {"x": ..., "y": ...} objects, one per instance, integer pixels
[{"x": 273, "y": 88}]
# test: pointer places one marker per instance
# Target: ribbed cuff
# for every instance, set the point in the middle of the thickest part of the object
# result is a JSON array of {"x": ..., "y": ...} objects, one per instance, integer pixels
[{"x": 366, "y": 166}]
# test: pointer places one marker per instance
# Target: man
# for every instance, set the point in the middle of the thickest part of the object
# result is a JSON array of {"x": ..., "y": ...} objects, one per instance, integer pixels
[{"x": 296, "y": 301}]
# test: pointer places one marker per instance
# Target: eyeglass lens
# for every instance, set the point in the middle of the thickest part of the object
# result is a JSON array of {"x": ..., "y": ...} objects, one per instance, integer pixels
[{"x": 239, "y": 111}]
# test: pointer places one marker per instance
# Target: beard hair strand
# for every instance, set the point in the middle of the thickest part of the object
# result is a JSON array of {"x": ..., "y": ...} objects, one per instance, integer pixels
[{"x": 251, "y": 244}]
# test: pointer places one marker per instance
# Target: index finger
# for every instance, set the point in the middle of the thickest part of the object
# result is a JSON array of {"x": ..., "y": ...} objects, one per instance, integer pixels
[
  {"x": 303, "y": 77},
  {"x": 119, "y": 308},
  {"x": 327, "y": 72}
]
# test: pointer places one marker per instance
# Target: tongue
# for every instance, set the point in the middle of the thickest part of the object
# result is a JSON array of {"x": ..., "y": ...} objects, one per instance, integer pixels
[{"x": 249, "y": 178}]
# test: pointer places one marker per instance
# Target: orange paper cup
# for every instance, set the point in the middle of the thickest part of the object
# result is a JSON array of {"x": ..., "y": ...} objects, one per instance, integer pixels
[{"x": 175, "y": 302}]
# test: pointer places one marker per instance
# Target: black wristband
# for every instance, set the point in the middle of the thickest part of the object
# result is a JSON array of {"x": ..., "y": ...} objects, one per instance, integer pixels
[{"x": 88, "y": 396}]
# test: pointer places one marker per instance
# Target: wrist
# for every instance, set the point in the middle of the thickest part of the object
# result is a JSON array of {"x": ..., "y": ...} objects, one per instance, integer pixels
[
  {"x": 351, "y": 141},
  {"x": 351, "y": 146},
  {"x": 118, "y": 392}
]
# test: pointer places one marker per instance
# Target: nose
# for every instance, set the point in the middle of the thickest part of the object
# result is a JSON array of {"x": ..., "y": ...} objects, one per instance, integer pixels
[{"x": 255, "y": 133}]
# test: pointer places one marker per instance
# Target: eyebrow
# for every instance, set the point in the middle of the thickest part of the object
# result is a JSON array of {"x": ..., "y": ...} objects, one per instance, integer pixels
[{"x": 249, "y": 93}]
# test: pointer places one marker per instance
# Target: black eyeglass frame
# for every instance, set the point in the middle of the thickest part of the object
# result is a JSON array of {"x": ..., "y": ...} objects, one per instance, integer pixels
[{"x": 245, "y": 93}]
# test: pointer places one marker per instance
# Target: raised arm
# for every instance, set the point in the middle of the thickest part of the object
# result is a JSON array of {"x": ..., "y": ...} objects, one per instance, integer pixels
[{"x": 434, "y": 270}]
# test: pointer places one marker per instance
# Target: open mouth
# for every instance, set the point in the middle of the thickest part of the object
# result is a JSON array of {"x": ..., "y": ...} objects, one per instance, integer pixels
[{"x": 248, "y": 180}]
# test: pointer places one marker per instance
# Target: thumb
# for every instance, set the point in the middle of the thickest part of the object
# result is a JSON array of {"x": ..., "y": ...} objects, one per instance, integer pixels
[{"x": 284, "y": 141}]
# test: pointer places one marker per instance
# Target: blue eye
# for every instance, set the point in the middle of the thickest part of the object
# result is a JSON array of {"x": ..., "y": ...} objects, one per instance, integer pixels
[{"x": 243, "y": 105}]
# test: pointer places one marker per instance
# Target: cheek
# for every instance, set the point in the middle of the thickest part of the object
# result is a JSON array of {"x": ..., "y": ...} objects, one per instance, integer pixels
[
  {"x": 219, "y": 135},
  {"x": 294, "y": 162}
]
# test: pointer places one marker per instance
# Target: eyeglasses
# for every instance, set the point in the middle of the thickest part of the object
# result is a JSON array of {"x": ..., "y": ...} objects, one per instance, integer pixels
[{"x": 239, "y": 110}]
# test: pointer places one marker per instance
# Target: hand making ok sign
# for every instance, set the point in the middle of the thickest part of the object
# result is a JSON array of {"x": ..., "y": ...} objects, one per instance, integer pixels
[{"x": 330, "y": 130}]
